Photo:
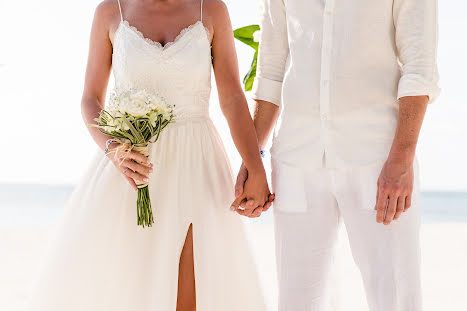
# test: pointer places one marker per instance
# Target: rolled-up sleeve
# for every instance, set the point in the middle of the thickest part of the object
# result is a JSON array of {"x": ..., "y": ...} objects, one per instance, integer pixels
[
  {"x": 272, "y": 54},
  {"x": 416, "y": 25}
]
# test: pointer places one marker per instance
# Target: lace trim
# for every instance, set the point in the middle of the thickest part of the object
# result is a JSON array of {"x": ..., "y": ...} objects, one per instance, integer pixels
[{"x": 159, "y": 45}]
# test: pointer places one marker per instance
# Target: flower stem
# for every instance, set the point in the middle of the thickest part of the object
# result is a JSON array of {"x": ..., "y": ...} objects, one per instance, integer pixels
[{"x": 144, "y": 209}]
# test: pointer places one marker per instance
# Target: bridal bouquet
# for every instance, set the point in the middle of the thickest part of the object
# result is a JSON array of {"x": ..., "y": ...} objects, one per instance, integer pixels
[{"x": 136, "y": 118}]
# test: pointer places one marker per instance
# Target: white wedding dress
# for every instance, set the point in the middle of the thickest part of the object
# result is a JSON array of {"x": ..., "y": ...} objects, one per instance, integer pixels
[{"x": 101, "y": 260}]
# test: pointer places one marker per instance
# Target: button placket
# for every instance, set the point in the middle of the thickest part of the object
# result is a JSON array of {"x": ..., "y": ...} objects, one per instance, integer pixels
[
  {"x": 326, "y": 60},
  {"x": 326, "y": 51}
]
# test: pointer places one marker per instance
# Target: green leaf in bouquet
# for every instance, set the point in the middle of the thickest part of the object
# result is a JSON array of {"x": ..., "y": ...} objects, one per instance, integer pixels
[
  {"x": 124, "y": 135},
  {"x": 138, "y": 139},
  {"x": 151, "y": 131},
  {"x": 106, "y": 132}
]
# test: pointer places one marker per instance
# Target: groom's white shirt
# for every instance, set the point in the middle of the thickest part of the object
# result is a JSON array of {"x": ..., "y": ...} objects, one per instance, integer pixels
[{"x": 337, "y": 69}]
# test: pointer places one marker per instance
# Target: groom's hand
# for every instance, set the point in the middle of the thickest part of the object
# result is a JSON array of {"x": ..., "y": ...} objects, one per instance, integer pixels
[
  {"x": 395, "y": 185},
  {"x": 248, "y": 206}
]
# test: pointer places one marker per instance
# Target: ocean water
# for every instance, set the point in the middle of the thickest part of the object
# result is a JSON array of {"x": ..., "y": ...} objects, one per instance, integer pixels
[{"x": 32, "y": 204}]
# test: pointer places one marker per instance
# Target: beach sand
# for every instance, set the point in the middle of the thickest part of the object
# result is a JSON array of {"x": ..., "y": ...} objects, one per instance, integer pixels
[{"x": 444, "y": 267}]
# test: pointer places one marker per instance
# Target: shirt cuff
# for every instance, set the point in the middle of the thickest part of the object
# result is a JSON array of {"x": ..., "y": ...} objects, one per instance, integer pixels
[
  {"x": 267, "y": 90},
  {"x": 411, "y": 85}
]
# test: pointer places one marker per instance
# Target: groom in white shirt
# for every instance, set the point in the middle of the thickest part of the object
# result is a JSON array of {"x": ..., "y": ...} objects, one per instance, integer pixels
[{"x": 348, "y": 83}]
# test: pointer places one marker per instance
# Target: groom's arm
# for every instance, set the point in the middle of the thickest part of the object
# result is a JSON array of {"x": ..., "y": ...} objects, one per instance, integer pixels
[
  {"x": 265, "y": 117},
  {"x": 267, "y": 88},
  {"x": 272, "y": 57},
  {"x": 416, "y": 39},
  {"x": 272, "y": 54},
  {"x": 395, "y": 183}
]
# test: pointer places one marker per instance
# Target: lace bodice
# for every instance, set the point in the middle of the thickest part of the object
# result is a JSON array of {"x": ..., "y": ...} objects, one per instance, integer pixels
[{"x": 180, "y": 71}]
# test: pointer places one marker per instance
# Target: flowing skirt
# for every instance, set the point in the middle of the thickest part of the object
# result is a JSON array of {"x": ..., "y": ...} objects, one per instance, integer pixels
[{"x": 101, "y": 260}]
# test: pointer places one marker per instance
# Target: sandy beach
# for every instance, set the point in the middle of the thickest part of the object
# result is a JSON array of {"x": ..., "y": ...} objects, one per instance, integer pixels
[{"x": 444, "y": 266}]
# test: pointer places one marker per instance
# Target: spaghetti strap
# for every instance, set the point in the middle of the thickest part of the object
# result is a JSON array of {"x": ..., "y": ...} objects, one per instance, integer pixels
[
  {"x": 120, "y": 8},
  {"x": 201, "y": 18}
]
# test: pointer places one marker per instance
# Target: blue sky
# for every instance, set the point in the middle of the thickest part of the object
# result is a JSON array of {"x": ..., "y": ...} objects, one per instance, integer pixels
[{"x": 42, "y": 63}]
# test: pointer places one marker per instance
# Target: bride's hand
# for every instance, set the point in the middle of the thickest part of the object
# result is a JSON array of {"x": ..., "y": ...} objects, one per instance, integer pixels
[
  {"x": 128, "y": 165},
  {"x": 255, "y": 192}
]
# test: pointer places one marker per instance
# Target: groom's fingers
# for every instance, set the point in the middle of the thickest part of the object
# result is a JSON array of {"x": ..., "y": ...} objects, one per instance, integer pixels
[
  {"x": 268, "y": 204},
  {"x": 256, "y": 212},
  {"x": 391, "y": 210},
  {"x": 381, "y": 206},
  {"x": 400, "y": 207}
]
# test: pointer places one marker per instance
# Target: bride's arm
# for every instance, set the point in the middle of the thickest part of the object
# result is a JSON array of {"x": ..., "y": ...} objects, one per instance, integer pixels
[
  {"x": 97, "y": 70},
  {"x": 233, "y": 103},
  {"x": 95, "y": 87}
]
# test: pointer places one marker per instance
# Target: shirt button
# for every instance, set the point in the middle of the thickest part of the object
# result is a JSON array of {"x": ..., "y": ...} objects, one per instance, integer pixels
[{"x": 325, "y": 116}]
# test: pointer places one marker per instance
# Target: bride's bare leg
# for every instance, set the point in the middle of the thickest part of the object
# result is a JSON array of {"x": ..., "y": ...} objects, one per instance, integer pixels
[{"x": 186, "y": 300}]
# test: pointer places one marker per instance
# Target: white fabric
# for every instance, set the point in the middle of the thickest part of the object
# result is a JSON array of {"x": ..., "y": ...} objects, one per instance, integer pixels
[
  {"x": 337, "y": 69},
  {"x": 101, "y": 259},
  {"x": 308, "y": 210},
  {"x": 120, "y": 9}
]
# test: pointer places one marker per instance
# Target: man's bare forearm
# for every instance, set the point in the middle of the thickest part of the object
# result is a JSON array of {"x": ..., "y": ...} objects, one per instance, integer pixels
[
  {"x": 411, "y": 114},
  {"x": 265, "y": 117}
]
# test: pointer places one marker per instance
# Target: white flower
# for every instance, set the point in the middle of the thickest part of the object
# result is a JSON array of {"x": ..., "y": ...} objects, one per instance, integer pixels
[
  {"x": 257, "y": 35},
  {"x": 119, "y": 124},
  {"x": 135, "y": 103},
  {"x": 108, "y": 129}
]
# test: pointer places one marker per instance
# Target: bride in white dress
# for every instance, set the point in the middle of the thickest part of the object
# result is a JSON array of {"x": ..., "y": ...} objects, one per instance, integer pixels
[{"x": 196, "y": 254}]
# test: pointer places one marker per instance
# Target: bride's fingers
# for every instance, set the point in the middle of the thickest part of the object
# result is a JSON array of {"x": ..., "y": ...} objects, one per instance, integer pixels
[
  {"x": 244, "y": 212},
  {"x": 133, "y": 155},
  {"x": 138, "y": 157},
  {"x": 237, "y": 202},
  {"x": 141, "y": 169},
  {"x": 248, "y": 207},
  {"x": 248, "y": 204},
  {"x": 135, "y": 176}
]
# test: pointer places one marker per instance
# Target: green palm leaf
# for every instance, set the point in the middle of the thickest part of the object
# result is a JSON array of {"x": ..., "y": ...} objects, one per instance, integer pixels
[{"x": 246, "y": 35}]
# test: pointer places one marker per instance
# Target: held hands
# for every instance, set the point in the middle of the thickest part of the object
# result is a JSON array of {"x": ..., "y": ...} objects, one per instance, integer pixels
[
  {"x": 128, "y": 164},
  {"x": 395, "y": 185},
  {"x": 252, "y": 194}
]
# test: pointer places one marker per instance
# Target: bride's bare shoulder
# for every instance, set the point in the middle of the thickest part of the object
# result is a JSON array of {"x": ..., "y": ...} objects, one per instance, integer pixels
[
  {"x": 106, "y": 17},
  {"x": 216, "y": 6},
  {"x": 107, "y": 11},
  {"x": 217, "y": 12}
]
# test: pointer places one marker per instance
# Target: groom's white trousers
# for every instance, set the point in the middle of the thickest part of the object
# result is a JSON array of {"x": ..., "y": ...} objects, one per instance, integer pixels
[{"x": 308, "y": 211}]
